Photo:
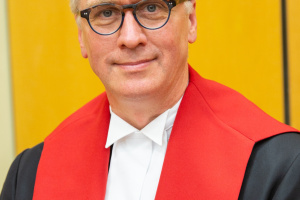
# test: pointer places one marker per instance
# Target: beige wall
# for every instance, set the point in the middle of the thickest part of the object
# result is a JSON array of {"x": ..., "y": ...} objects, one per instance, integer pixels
[{"x": 6, "y": 124}]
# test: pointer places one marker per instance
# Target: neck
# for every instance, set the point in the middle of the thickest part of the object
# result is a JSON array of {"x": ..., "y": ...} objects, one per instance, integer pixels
[{"x": 140, "y": 111}]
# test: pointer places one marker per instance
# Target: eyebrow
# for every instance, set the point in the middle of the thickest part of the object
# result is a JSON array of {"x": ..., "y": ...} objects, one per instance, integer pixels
[{"x": 97, "y": 2}]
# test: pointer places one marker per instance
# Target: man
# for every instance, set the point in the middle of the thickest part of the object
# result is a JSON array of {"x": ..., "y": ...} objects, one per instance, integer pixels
[{"x": 160, "y": 131}]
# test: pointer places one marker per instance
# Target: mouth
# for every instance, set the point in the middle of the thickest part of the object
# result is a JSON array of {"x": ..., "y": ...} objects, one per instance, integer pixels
[{"x": 136, "y": 65}]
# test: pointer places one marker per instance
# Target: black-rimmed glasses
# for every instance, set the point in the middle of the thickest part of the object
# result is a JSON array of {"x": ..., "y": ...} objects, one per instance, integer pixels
[{"x": 107, "y": 18}]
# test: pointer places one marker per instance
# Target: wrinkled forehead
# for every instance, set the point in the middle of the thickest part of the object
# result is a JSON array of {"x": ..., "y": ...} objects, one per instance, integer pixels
[{"x": 83, "y": 4}]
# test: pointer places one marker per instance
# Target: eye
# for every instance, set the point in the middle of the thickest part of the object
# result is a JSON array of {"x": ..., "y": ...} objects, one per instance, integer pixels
[
  {"x": 107, "y": 13},
  {"x": 104, "y": 12},
  {"x": 151, "y": 8}
]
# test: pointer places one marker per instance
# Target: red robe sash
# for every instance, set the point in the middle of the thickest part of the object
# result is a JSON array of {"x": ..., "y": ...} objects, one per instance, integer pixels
[{"x": 212, "y": 138}]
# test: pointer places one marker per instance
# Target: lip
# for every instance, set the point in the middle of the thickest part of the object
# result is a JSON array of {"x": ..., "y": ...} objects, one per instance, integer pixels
[{"x": 135, "y": 65}]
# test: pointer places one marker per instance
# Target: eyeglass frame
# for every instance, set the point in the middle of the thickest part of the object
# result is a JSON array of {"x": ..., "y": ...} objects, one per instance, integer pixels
[{"x": 86, "y": 13}]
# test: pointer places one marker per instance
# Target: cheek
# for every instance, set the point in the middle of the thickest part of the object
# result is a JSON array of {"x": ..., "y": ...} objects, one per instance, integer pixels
[
  {"x": 173, "y": 43},
  {"x": 96, "y": 44},
  {"x": 98, "y": 50}
]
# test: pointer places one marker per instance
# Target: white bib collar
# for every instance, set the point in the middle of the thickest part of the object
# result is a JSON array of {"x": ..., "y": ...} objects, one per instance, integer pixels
[{"x": 118, "y": 128}]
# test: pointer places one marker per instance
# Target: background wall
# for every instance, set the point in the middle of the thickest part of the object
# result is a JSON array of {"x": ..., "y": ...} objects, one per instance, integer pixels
[
  {"x": 7, "y": 148},
  {"x": 240, "y": 44},
  {"x": 293, "y": 27},
  {"x": 51, "y": 79}
]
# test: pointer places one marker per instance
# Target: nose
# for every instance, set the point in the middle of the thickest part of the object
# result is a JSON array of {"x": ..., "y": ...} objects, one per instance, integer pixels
[{"x": 131, "y": 34}]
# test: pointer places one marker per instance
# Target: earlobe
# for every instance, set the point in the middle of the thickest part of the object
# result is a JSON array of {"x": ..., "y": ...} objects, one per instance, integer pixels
[
  {"x": 81, "y": 42},
  {"x": 192, "y": 36}
]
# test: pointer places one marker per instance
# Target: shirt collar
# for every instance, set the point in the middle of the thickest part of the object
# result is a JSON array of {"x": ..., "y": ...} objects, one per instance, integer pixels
[{"x": 118, "y": 128}]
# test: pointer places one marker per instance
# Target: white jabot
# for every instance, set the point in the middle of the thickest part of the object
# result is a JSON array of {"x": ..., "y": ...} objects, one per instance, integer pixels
[{"x": 138, "y": 156}]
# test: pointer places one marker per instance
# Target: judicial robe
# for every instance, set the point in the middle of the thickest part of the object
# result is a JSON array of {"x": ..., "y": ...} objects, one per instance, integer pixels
[{"x": 222, "y": 146}]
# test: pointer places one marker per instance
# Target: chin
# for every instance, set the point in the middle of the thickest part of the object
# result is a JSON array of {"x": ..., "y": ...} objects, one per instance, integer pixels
[{"x": 138, "y": 91}]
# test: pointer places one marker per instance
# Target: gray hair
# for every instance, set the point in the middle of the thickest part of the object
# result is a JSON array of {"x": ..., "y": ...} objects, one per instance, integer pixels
[
  {"x": 188, "y": 7},
  {"x": 74, "y": 6}
]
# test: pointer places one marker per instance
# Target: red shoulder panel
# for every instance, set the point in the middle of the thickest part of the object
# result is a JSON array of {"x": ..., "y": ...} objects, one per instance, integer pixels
[
  {"x": 211, "y": 141},
  {"x": 74, "y": 162}
]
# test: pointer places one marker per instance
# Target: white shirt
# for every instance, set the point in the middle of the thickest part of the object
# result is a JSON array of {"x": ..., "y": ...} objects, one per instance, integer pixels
[{"x": 138, "y": 156}]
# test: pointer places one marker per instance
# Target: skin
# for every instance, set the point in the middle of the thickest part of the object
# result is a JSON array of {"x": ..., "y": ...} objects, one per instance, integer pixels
[{"x": 145, "y": 72}]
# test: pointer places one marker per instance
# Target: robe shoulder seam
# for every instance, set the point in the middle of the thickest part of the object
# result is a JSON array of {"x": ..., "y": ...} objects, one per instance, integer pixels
[{"x": 217, "y": 115}]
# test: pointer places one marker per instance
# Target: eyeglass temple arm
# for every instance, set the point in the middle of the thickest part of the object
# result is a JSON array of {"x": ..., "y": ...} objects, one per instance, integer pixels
[{"x": 177, "y": 1}]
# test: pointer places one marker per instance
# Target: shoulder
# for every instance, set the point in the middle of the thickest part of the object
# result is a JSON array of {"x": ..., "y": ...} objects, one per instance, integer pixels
[
  {"x": 234, "y": 110},
  {"x": 273, "y": 170},
  {"x": 84, "y": 115},
  {"x": 19, "y": 183},
  {"x": 278, "y": 146}
]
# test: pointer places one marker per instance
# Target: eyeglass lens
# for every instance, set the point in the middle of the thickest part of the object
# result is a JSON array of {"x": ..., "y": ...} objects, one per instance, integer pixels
[{"x": 106, "y": 18}]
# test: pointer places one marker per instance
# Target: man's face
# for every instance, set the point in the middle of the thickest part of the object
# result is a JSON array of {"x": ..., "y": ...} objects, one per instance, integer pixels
[{"x": 136, "y": 62}]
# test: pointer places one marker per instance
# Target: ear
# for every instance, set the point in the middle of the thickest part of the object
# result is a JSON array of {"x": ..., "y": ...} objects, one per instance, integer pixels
[
  {"x": 192, "y": 36},
  {"x": 81, "y": 40}
]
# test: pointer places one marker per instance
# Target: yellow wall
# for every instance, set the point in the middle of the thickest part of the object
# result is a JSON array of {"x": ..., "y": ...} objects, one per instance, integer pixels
[
  {"x": 239, "y": 44},
  {"x": 293, "y": 8},
  {"x": 50, "y": 78},
  {"x": 6, "y": 121}
]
